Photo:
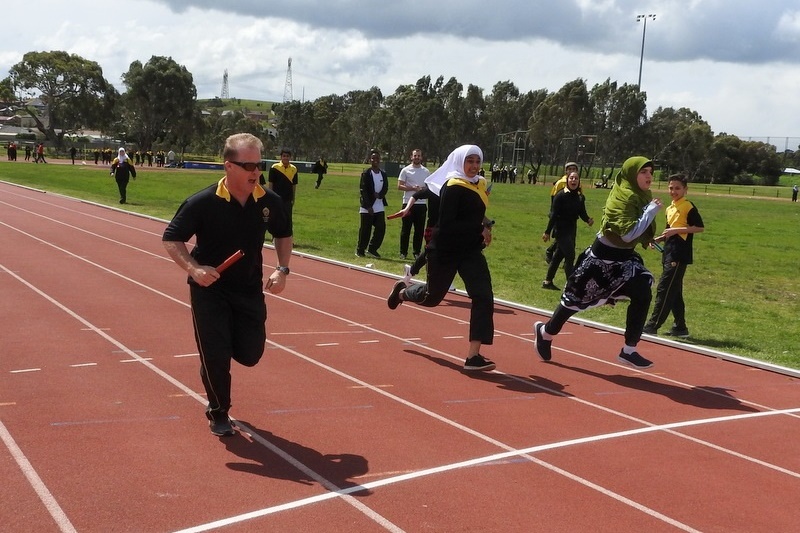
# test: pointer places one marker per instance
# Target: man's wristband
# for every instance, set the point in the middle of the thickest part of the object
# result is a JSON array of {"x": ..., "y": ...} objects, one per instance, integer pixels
[{"x": 282, "y": 269}]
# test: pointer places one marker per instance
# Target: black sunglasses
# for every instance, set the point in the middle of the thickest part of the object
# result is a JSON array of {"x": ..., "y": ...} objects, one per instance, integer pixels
[{"x": 249, "y": 167}]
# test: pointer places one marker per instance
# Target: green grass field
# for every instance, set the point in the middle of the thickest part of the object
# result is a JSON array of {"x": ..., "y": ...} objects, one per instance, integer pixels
[{"x": 741, "y": 293}]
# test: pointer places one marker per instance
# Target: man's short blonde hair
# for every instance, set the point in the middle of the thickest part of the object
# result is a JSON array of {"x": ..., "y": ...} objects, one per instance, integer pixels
[{"x": 237, "y": 141}]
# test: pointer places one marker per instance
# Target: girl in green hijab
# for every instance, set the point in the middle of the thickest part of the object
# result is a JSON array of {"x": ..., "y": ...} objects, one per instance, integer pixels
[{"x": 611, "y": 270}]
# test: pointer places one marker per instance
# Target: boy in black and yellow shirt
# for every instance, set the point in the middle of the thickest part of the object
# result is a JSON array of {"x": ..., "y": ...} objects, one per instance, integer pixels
[
  {"x": 683, "y": 221},
  {"x": 282, "y": 179}
]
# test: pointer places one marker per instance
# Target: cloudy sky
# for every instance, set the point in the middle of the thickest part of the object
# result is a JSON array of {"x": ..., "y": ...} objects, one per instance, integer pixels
[{"x": 736, "y": 62}]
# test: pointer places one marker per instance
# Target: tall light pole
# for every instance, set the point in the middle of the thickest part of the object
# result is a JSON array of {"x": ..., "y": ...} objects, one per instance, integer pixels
[{"x": 644, "y": 31}]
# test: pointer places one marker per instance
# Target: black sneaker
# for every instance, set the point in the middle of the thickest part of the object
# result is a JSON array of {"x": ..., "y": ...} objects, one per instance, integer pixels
[
  {"x": 360, "y": 254},
  {"x": 650, "y": 330},
  {"x": 376, "y": 255},
  {"x": 394, "y": 299},
  {"x": 549, "y": 285},
  {"x": 478, "y": 362},
  {"x": 221, "y": 427},
  {"x": 678, "y": 332},
  {"x": 634, "y": 359},
  {"x": 542, "y": 346}
]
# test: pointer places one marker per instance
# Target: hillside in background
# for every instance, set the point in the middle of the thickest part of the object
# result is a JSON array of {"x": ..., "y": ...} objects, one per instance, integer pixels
[{"x": 235, "y": 104}]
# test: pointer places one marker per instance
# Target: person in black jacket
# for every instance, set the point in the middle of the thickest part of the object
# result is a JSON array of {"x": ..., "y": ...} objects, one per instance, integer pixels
[
  {"x": 569, "y": 204},
  {"x": 122, "y": 169},
  {"x": 456, "y": 247},
  {"x": 320, "y": 168},
  {"x": 372, "y": 191}
]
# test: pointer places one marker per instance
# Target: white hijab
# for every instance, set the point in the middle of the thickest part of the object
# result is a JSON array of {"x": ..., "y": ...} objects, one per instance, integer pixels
[
  {"x": 122, "y": 156},
  {"x": 453, "y": 167}
]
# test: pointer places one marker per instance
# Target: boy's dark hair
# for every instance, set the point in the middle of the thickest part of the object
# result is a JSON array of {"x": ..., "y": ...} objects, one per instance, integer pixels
[
  {"x": 286, "y": 151},
  {"x": 679, "y": 177}
]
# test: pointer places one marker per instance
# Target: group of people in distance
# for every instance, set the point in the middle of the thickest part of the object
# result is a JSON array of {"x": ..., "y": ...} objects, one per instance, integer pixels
[{"x": 229, "y": 221}]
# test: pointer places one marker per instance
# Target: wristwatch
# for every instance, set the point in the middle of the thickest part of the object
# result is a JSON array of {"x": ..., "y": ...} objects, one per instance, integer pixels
[
  {"x": 489, "y": 224},
  {"x": 284, "y": 270}
]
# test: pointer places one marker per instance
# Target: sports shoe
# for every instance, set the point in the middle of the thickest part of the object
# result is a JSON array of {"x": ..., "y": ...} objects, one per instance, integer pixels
[
  {"x": 542, "y": 346},
  {"x": 549, "y": 285},
  {"x": 374, "y": 254},
  {"x": 634, "y": 359},
  {"x": 220, "y": 426},
  {"x": 407, "y": 274},
  {"x": 678, "y": 332},
  {"x": 360, "y": 254},
  {"x": 650, "y": 330},
  {"x": 478, "y": 362},
  {"x": 394, "y": 299},
  {"x": 403, "y": 256}
]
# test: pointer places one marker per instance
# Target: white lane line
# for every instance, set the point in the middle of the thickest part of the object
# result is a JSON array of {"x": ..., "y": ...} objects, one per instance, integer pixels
[
  {"x": 24, "y": 370},
  {"x": 91, "y": 233},
  {"x": 36, "y": 482},
  {"x": 323, "y": 344},
  {"x": 79, "y": 365},
  {"x": 312, "y": 333},
  {"x": 493, "y": 458}
]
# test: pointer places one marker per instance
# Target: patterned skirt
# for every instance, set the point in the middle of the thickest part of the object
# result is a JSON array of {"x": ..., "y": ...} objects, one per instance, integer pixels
[{"x": 596, "y": 282}]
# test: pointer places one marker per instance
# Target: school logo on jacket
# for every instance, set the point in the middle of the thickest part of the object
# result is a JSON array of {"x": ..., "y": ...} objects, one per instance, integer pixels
[{"x": 265, "y": 214}]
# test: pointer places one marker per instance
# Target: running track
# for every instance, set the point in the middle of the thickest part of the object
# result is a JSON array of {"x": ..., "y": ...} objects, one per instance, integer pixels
[{"x": 358, "y": 418}]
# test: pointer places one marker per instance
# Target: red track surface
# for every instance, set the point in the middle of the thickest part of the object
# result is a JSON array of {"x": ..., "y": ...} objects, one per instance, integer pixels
[{"x": 358, "y": 418}]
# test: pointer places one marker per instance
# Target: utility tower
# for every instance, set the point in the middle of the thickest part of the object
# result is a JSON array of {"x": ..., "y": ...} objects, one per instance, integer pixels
[
  {"x": 287, "y": 89},
  {"x": 225, "y": 94}
]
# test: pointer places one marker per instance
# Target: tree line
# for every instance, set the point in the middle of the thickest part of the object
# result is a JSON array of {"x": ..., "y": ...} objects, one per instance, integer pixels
[{"x": 598, "y": 126}]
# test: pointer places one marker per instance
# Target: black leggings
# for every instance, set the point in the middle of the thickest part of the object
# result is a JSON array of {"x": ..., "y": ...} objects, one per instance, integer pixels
[
  {"x": 637, "y": 289},
  {"x": 474, "y": 271}
]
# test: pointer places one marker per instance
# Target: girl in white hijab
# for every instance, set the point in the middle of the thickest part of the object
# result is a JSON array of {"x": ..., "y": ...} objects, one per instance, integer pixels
[
  {"x": 121, "y": 155},
  {"x": 453, "y": 167},
  {"x": 456, "y": 247}
]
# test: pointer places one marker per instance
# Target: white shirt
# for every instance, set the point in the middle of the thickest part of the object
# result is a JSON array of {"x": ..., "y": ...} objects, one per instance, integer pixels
[
  {"x": 377, "y": 205},
  {"x": 413, "y": 177}
]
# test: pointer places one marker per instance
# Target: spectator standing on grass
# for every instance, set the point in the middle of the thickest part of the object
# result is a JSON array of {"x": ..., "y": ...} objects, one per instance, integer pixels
[
  {"x": 412, "y": 179},
  {"x": 373, "y": 187},
  {"x": 28, "y": 152},
  {"x": 683, "y": 221},
  {"x": 794, "y": 193},
  {"x": 122, "y": 169},
  {"x": 611, "y": 270},
  {"x": 568, "y": 206},
  {"x": 456, "y": 247},
  {"x": 228, "y": 308},
  {"x": 72, "y": 153}
]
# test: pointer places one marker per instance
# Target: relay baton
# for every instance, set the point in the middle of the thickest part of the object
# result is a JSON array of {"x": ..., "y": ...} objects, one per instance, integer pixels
[
  {"x": 229, "y": 261},
  {"x": 396, "y": 215},
  {"x": 658, "y": 247}
]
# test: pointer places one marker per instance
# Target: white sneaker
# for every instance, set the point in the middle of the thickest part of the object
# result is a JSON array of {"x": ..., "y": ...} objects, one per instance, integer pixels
[
  {"x": 452, "y": 287},
  {"x": 407, "y": 274}
]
